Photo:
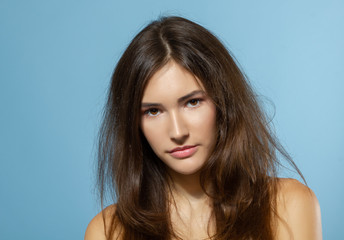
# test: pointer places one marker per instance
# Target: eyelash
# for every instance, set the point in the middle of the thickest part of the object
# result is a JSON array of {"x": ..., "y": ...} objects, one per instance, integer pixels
[{"x": 148, "y": 111}]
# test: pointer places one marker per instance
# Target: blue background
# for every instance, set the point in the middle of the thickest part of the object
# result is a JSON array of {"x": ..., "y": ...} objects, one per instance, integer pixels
[{"x": 56, "y": 59}]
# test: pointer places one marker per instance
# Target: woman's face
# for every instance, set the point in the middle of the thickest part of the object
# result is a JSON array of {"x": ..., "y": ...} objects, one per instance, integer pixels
[{"x": 178, "y": 119}]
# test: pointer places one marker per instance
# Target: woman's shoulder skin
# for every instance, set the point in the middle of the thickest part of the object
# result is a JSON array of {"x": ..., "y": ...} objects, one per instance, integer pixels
[
  {"x": 96, "y": 228},
  {"x": 298, "y": 212}
]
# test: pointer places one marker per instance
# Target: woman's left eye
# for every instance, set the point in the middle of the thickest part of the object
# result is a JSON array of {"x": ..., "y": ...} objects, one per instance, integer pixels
[{"x": 193, "y": 103}]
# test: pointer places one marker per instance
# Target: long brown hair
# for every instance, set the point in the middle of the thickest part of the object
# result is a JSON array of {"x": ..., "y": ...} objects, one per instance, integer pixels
[{"x": 243, "y": 167}]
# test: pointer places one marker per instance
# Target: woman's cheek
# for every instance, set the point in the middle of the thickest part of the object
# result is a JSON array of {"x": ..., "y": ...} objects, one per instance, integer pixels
[
  {"x": 153, "y": 131},
  {"x": 203, "y": 118}
]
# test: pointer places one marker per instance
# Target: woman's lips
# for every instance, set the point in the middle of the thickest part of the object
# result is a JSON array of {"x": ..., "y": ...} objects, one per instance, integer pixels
[{"x": 183, "y": 152}]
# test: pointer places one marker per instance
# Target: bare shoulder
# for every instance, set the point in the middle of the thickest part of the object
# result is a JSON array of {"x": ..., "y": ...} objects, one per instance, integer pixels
[
  {"x": 298, "y": 210},
  {"x": 96, "y": 228}
]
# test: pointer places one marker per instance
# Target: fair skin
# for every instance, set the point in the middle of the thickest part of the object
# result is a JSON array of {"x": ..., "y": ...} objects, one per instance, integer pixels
[
  {"x": 177, "y": 113},
  {"x": 178, "y": 121}
]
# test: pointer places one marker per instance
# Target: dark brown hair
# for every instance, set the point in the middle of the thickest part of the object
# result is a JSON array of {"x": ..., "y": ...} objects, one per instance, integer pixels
[{"x": 242, "y": 168}]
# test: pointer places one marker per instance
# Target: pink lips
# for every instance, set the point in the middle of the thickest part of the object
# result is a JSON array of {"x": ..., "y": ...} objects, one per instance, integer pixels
[{"x": 183, "y": 152}]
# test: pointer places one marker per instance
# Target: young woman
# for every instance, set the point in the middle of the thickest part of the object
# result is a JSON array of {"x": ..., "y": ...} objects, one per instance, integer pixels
[{"x": 186, "y": 151}]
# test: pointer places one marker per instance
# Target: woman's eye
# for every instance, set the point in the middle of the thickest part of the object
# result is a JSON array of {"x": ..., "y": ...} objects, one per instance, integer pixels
[
  {"x": 193, "y": 103},
  {"x": 152, "y": 112}
]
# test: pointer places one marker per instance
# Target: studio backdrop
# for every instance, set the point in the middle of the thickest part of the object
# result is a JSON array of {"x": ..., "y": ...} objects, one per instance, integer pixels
[{"x": 56, "y": 60}]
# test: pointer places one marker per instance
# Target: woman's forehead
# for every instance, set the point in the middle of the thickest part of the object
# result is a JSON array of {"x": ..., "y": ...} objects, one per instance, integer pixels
[{"x": 171, "y": 80}]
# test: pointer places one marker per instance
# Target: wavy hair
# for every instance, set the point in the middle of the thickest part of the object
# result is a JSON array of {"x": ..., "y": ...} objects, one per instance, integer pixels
[{"x": 242, "y": 169}]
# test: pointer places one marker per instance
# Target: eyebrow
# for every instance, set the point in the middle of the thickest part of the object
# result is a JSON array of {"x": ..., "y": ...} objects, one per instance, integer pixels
[{"x": 181, "y": 99}]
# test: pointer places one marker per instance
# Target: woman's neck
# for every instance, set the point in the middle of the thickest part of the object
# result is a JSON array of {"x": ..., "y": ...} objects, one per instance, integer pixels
[
  {"x": 188, "y": 187},
  {"x": 191, "y": 208}
]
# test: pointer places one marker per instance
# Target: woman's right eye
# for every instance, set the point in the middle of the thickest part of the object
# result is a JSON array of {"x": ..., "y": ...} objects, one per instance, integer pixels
[{"x": 152, "y": 112}]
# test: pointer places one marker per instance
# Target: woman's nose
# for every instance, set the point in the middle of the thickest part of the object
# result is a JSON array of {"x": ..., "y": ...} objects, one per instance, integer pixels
[{"x": 178, "y": 128}]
